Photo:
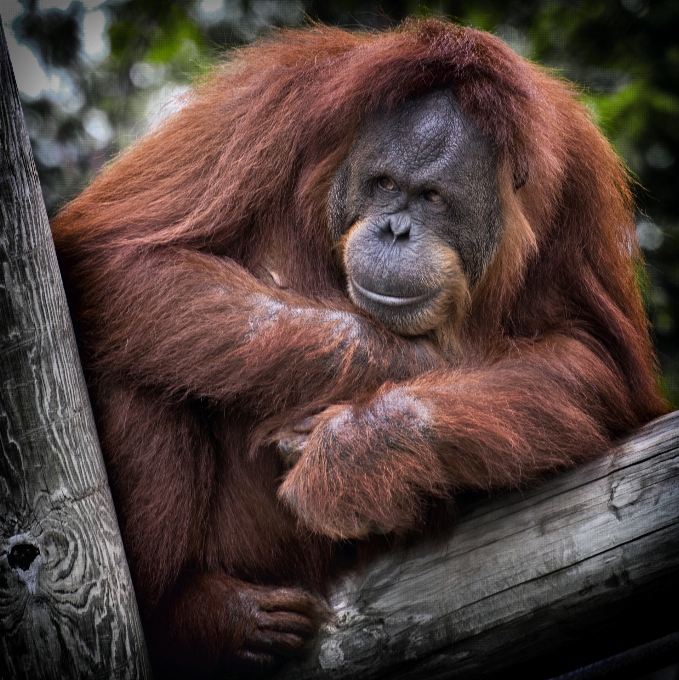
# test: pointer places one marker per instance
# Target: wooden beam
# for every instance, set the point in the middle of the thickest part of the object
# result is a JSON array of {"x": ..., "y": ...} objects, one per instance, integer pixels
[
  {"x": 67, "y": 607},
  {"x": 537, "y": 582}
]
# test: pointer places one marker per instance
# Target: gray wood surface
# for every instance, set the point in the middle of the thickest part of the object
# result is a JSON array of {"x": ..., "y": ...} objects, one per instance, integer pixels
[
  {"x": 67, "y": 607},
  {"x": 582, "y": 566}
]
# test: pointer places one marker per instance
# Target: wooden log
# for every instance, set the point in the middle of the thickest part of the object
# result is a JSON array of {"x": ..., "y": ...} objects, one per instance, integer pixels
[
  {"x": 532, "y": 583},
  {"x": 67, "y": 607}
]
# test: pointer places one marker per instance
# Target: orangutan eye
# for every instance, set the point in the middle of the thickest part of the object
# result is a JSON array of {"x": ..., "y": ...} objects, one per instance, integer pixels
[
  {"x": 387, "y": 184},
  {"x": 432, "y": 196}
]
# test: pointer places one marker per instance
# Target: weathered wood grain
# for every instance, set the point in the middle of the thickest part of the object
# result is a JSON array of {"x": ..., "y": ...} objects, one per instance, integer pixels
[
  {"x": 67, "y": 607},
  {"x": 583, "y": 566}
]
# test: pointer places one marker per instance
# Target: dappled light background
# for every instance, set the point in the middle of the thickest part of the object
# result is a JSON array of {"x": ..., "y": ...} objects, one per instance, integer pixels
[{"x": 93, "y": 76}]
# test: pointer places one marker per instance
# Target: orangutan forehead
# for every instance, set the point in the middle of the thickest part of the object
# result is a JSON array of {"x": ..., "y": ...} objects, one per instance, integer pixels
[{"x": 425, "y": 129}]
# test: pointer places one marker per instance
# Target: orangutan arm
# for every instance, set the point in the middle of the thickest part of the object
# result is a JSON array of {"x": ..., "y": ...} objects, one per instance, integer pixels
[
  {"x": 195, "y": 324},
  {"x": 545, "y": 406}
]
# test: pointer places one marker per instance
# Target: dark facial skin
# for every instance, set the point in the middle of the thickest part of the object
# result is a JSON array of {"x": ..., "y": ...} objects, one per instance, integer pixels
[{"x": 417, "y": 207}]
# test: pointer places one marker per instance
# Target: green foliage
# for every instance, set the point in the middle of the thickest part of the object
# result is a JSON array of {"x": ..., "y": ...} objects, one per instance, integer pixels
[{"x": 166, "y": 36}]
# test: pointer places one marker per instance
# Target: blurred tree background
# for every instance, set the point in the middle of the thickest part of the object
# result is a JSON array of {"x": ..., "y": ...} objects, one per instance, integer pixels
[{"x": 95, "y": 75}]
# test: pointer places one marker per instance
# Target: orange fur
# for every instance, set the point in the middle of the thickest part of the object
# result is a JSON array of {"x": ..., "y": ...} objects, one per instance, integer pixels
[{"x": 211, "y": 314}]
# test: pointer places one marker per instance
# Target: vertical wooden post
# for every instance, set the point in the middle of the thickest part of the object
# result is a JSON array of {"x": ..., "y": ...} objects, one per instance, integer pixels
[{"x": 67, "y": 607}]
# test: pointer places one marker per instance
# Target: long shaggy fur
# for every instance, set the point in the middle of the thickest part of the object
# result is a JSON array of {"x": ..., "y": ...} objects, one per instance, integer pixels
[{"x": 211, "y": 312}]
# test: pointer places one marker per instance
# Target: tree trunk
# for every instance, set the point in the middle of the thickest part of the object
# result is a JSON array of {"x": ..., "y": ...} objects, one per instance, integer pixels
[
  {"x": 530, "y": 584},
  {"x": 67, "y": 607}
]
